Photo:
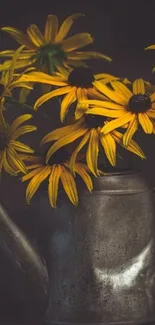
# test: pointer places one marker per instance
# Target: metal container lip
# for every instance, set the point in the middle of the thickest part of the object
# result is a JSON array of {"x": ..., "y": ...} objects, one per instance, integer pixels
[
  {"x": 119, "y": 181},
  {"x": 116, "y": 171},
  {"x": 139, "y": 321}
]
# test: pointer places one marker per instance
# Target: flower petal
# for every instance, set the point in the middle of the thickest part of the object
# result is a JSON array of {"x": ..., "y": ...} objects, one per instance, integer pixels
[
  {"x": 31, "y": 158},
  {"x": 126, "y": 81},
  {"x": 18, "y": 121},
  {"x": 113, "y": 95},
  {"x": 54, "y": 185},
  {"x": 69, "y": 185},
  {"x": 36, "y": 181},
  {"x": 23, "y": 130},
  {"x": 20, "y": 37},
  {"x": 152, "y": 97},
  {"x": 81, "y": 170},
  {"x": 21, "y": 147},
  {"x": 34, "y": 166},
  {"x": 7, "y": 53},
  {"x": 81, "y": 107},
  {"x": 122, "y": 89},
  {"x": 18, "y": 76},
  {"x": 51, "y": 28},
  {"x": 145, "y": 122},
  {"x": 59, "y": 133},
  {"x": 54, "y": 93},
  {"x": 4, "y": 79},
  {"x": 95, "y": 94},
  {"x": 92, "y": 152},
  {"x": 150, "y": 47},
  {"x": 68, "y": 138},
  {"x": 35, "y": 35},
  {"x": 15, "y": 161},
  {"x": 117, "y": 123},
  {"x": 66, "y": 103},
  {"x": 105, "y": 77},
  {"x": 109, "y": 146},
  {"x": 27, "y": 54},
  {"x": 76, "y": 41},
  {"x": 63, "y": 72},
  {"x": 132, "y": 128},
  {"x": 42, "y": 77},
  {"x": 19, "y": 64},
  {"x": 132, "y": 146},
  {"x": 13, "y": 63},
  {"x": 138, "y": 86},
  {"x": 7, "y": 166},
  {"x": 106, "y": 112},
  {"x": 88, "y": 55},
  {"x": 34, "y": 172},
  {"x": 65, "y": 27},
  {"x": 151, "y": 113},
  {"x": 103, "y": 103},
  {"x": 20, "y": 85},
  {"x": 78, "y": 148}
]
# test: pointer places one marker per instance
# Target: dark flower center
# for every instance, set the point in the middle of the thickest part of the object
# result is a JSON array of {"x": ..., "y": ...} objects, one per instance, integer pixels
[
  {"x": 3, "y": 141},
  {"x": 94, "y": 121},
  {"x": 81, "y": 77},
  {"x": 139, "y": 103},
  {"x": 1, "y": 89},
  {"x": 49, "y": 56},
  {"x": 59, "y": 157}
]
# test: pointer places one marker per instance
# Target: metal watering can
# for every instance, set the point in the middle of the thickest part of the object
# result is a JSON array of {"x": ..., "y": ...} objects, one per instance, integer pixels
[{"x": 101, "y": 254}]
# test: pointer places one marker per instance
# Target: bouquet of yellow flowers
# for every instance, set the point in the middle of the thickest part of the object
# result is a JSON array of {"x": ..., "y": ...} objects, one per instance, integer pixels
[{"x": 98, "y": 112}]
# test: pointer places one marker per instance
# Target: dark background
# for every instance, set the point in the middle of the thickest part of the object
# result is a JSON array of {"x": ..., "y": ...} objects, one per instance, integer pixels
[{"x": 122, "y": 29}]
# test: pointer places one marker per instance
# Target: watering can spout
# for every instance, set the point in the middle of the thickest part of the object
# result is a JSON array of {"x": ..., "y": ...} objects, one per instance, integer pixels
[{"x": 29, "y": 269}]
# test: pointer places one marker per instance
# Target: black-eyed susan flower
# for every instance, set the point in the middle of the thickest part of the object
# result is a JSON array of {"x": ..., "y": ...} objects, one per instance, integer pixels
[
  {"x": 51, "y": 49},
  {"x": 56, "y": 170},
  {"x": 10, "y": 147},
  {"x": 75, "y": 84},
  {"x": 9, "y": 80},
  {"x": 125, "y": 107},
  {"x": 89, "y": 129}
]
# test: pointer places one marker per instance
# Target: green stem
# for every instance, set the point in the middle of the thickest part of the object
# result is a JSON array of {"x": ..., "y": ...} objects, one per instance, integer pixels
[{"x": 50, "y": 64}]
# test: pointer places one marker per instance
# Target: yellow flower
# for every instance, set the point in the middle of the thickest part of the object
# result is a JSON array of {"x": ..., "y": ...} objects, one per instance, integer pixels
[
  {"x": 126, "y": 107},
  {"x": 10, "y": 148},
  {"x": 51, "y": 49},
  {"x": 76, "y": 84},
  {"x": 57, "y": 169},
  {"x": 89, "y": 129},
  {"x": 9, "y": 80}
]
